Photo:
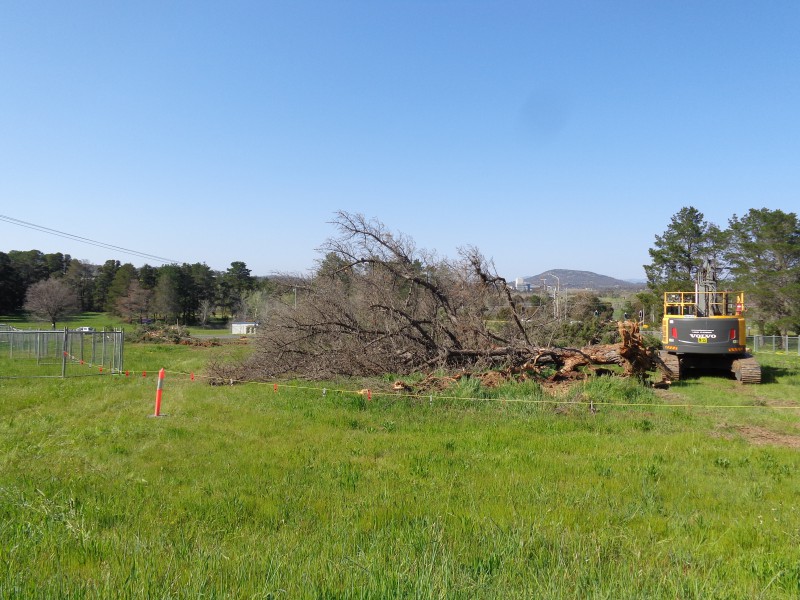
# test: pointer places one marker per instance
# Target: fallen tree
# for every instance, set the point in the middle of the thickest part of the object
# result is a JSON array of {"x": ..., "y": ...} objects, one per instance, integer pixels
[{"x": 378, "y": 305}]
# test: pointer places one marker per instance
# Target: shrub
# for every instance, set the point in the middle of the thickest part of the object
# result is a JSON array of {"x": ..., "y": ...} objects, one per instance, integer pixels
[{"x": 159, "y": 334}]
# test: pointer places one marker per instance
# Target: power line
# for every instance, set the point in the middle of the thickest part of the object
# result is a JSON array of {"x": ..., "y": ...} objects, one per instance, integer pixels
[{"x": 84, "y": 240}]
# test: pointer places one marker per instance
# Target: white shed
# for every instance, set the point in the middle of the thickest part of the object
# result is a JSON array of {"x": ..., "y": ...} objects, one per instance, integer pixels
[{"x": 244, "y": 327}]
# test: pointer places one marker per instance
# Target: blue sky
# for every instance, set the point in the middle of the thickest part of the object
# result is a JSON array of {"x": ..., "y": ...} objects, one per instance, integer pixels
[{"x": 547, "y": 134}]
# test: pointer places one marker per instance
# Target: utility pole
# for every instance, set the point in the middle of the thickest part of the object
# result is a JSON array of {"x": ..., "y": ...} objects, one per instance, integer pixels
[{"x": 556, "y": 296}]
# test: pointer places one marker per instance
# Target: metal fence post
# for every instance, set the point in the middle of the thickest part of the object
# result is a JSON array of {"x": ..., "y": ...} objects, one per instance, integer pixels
[
  {"x": 64, "y": 354},
  {"x": 121, "y": 341}
]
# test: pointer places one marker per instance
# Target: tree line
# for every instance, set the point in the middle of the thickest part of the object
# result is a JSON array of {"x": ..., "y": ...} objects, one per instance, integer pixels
[{"x": 186, "y": 293}]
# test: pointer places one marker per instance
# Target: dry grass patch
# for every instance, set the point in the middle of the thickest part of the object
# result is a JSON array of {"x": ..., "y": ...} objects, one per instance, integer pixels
[{"x": 760, "y": 436}]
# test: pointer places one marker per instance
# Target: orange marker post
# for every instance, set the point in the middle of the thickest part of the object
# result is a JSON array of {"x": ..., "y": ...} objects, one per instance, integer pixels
[{"x": 159, "y": 389}]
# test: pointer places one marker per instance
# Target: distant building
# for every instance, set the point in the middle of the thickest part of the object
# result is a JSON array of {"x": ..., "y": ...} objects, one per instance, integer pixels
[{"x": 244, "y": 327}]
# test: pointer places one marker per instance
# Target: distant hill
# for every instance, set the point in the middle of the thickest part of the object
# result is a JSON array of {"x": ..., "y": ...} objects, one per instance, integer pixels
[{"x": 581, "y": 280}]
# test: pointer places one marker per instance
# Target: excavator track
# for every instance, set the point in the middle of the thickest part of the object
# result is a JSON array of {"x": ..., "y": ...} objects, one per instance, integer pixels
[
  {"x": 672, "y": 363},
  {"x": 746, "y": 370}
]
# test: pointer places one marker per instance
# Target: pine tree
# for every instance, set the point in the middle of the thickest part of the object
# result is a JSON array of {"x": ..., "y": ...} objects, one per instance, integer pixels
[
  {"x": 764, "y": 255},
  {"x": 681, "y": 249}
]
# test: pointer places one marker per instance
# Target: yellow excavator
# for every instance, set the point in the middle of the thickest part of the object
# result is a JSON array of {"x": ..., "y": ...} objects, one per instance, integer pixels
[{"x": 705, "y": 330}]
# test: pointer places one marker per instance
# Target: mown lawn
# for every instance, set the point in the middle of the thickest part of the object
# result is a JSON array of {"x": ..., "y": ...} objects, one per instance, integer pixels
[
  {"x": 242, "y": 491},
  {"x": 100, "y": 321}
]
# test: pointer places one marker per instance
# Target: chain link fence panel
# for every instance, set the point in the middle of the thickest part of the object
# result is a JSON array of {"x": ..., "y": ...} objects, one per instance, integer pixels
[{"x": 60, "y": 353}]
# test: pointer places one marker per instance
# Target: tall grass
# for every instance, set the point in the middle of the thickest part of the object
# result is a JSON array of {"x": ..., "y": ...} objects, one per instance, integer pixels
[{"x": 244, "y": 492}]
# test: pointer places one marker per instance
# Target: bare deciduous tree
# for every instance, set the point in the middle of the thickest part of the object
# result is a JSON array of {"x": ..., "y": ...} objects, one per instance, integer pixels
[
  {"x": 50, "y": 300},
  {"x": 205, "y": 310},
  {"x": 135, "y": 304}
]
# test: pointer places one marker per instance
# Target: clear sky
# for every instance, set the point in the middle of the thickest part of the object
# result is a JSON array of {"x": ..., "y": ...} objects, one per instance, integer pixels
[{"x": 548, "y": 134}]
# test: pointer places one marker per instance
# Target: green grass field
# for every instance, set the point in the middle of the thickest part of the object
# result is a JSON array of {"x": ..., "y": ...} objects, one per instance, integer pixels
[
  {"x": 87, "y": 319},
  {"x": 102, "y": 321},
  {"x": 241, "y": 491}
]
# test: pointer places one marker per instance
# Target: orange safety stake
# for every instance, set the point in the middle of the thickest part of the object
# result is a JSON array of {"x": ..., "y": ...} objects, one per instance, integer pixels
[
  {"x": 144, "y": 373},
  {"x": 101, "y": 369},
  {"x": 369, "y": 395},
  {"x": 159, "y": 388},
  {"x": 192, "y": 377},
  {"x": 275, "y": 387},
  {"x": 126, "y": 373}
]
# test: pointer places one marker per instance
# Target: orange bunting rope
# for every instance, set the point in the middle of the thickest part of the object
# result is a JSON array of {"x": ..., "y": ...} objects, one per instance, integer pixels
[{"x": 505, "y": 401}]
